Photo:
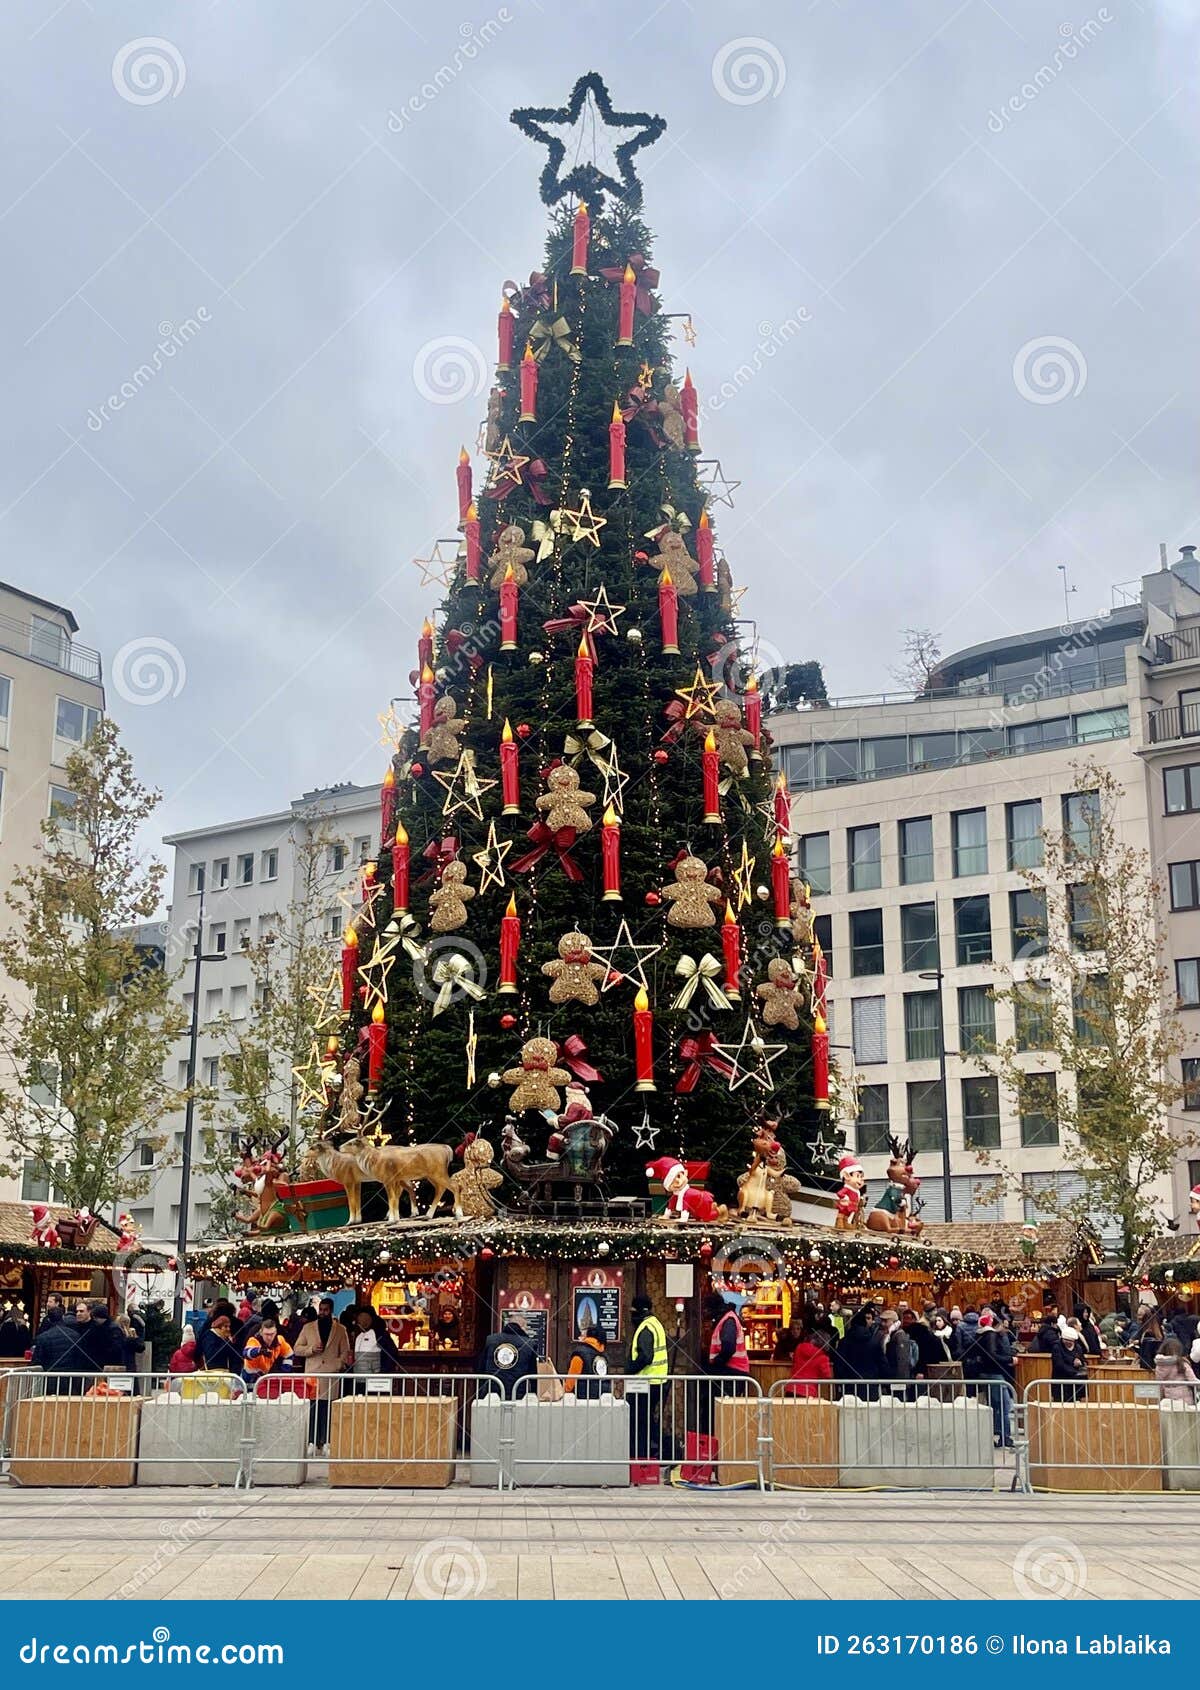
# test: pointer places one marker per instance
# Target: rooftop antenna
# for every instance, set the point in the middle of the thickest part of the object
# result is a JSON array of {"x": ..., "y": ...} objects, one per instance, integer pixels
[
  {"x": 1162, "y": 555},
  {"x": 1067, "y": 591}
]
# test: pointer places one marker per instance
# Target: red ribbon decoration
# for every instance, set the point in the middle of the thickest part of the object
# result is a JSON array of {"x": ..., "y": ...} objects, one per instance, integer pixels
[
  {"x": 572, "y": 1053},
  {"x": 700, "y": 1053},
  {"x": 559, "y": 842},
  {"x": 647, "y": 278},
  {"x": 531, "y": 476},
  {"x": 437, "y": 854},
  {"x": 455, "y": 641},
  {"x": 535, "y": 297},
  {"x": 641, "y": 406}
]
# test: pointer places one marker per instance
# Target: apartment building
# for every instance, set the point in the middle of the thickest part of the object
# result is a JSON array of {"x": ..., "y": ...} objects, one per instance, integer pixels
[
  {"x": 244, "y": 875},
  {"x": 915, "y": 816},
  {"x": 51, "y": 696}
]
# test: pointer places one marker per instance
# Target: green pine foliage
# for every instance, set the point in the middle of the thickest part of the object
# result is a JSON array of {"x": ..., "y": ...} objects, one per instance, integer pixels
[{"x": 424, "y": 1093}]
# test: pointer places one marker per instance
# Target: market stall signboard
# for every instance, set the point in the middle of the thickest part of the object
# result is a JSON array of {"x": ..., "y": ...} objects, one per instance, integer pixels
[
  {"x": 596, "y": 1301},
  {"x": 533, "y": 1310}
]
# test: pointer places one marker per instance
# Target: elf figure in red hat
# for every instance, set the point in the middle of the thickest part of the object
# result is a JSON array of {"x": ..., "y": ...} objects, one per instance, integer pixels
[
  {"x": 850, "y": 1198},
  {"x": 684, "y": 1202}
]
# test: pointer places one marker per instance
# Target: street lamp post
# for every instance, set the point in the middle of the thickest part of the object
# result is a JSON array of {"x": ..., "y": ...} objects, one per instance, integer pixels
[
  {"x": 947, "y": 1198},
  {"x": 189, "y": 1113}
]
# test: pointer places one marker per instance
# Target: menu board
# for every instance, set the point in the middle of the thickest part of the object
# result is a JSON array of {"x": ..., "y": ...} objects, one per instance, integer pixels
[
  {"x": 596, "y": 1301},
  {"x": 532, "y": 1308}
]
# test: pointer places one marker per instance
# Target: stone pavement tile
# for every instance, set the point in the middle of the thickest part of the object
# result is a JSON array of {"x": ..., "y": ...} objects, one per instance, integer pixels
[
  {"x": 691, "y": 1576},
  {"x": 276, "y": 1571},
  {"x": 743, "y": 1578},
  {"x": 376, "y": 1579},
  {"x": 992, "y": 1575},
  {"x": 108, "y": 1582},
  {"x": 893, "y": 1574},
  {"x": 502, "y": 1581},
  {"x": 637, "y": 1576},
  {"x": 666, "y": 1581},
  {"x": 323, "y": 1578},
  {"x": 402, "y": 1567},
  {"x": 172, "y": 1578},
  {"x": 15, "y": 1569},
  {"x": 227, "y": 1577},
  {"x": 845, "y": 1578},
  {"x": 948, "y": 1581},
  {"x": 791, "y": 1571},
  {"x": 598, "y": 1578},
  {"x": 535, "y": 1582}
]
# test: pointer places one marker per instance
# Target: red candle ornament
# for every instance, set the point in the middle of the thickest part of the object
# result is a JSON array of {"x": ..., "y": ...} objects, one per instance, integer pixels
[
  {"x": 425, "y": 645},
  {"x": 668, "y": 614},
  {"x": 610, "y": 856},
  {"x": 707, "y": 573},
  {"x": 349, "y": 966},
  {"x": 504, "y": 336},
  {"x": 510, "y": 780},
  {"x": 820, "y": 976},
  {"x": 688, "y": 410},
  {"x": 731, "y": 944},
  {"x": 643, "y": 1041},
  {"x": 820, "y": 1062},
  {"x": 783, "y": 807},
  {"x": 781, "y": 884},
  {"x": 510, "y": 944},
  {"x": 376, "y": 1046},
  {"x": 754, "y": 710},
  {"x": 585, "y": 669},
  {"x": 426, "y": 699},
  {"x": 616, "y": 448},
  {"x": 400, "y": 870},
  {"x": 580, "y": 235},
  {"x": 628, "y": 293},
  {"x": 529, "y": 384},
  {"x": 508, "y": 610},
  {"x": 463, "y": 474},
  {"x": 366, "y": 886},
  {"x": 710, "y": 766},
  {"x": 474, "y": 550},
  {"x": 387, "y": 805}
]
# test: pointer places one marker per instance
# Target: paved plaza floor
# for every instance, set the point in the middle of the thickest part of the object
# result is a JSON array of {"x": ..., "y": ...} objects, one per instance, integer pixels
[{"x": 317, "y": 1544}]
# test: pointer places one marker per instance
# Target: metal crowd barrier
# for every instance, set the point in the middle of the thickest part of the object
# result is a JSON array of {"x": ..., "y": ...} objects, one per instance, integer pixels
[{"x": 1111, "y": 1435}]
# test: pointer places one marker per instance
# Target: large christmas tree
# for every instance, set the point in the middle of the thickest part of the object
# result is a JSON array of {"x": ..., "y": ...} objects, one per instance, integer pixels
[{"x": 583, "y": 839}]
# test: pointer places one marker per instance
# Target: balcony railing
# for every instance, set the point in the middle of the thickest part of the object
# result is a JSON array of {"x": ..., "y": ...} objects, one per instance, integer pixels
[
  {"x": 1183, "y": 646},
  {"x": 1178, "y": 721},
  {"x": 57, "y": 652}
]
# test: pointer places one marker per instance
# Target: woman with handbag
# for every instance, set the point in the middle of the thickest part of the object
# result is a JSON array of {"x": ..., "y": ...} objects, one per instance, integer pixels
[{"x": 324, "y": 1347}]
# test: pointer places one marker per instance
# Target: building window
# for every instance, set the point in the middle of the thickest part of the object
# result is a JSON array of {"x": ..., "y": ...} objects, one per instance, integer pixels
[
  {"x": 1081, "y": 824},
  {"x": 337, "y": 857},
  {"x": 926, "y": 1115},
  {"x": 1037, "y": 1103},
  {"x": 43, "y": 1090},
  {"x": 969, "y": 834},
  {"x": 217, "y": 938},
  {"x": 1185, "y": 885},
  {"x": 1040, "y": 736},
  {"x": 921, "y": 1042},
  {"x": 981, "y": 1113},
  {"x": 245, "y": 869},
  {"x": 976, "y": 1020},
  {"x": 35, "y": 1187},
  {"x": 918, "y": 937},
  {"x": 931, "y": 751},
  {"x": 1024, "y": 834},
  {"x": 210, "y": 1071},
  {"x": 1083, "y": 919},
  {"x": 270, "y": 866},
  {"x": 1102, "y": 724},
  {"x": 362, "y": 848},
  {"x": 868, "y": 1029},
  {"x": 864, "y": 858},
  {"x": 239, "y": 1002},
  {"x": 1033, "y": 1016},
  {"x": 241, "y": 934},
  {"x": 814, "y": 861},
  {"x": 1092, "y": 1011},
  {"x": 5, "y": 709},
  {"x": 866, "y": 942},
  {"x": 884, "y": 756},
  {"x": 73, "y": 722},
  {"x": 220, "y": 874},
  {"x": 213, "y": 1003},
  {"x": 266, "y": 929},
  {"x": 1, "y": 803},
  {"x": 973, "y": 930},
  {"x": 333, "y": 924},
  {"x": 1181, "y": 789},
  {"x": 1191, "y": 1084},
  {"x": 1187, "y": 985},
  {"x": 975, "y": 745},
  {"x": 195, "y": 878},
  {"x": 823, "y": 934},
  {"x": 1027, "y": 918},
  {"x": 62, "y": 808},
  {"x": 48, "y": 641},
  {"x": 916, "y": 850},
  {"x": 871, "y": 1135}
]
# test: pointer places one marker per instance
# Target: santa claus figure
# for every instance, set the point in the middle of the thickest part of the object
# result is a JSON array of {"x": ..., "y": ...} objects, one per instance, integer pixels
[
  {"x": 577, "y": 1107},
  {"x": 130, "y": 1235},
  {"x": 850, "y": 1198},
  {"x": 684, "y": 1202},
  {"x": 1194, "y": 1200},
  {"x": 45, "y": 1232}
]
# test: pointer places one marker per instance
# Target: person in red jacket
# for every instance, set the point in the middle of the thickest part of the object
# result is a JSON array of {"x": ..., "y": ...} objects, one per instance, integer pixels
[
  {"x": 184, "y": 1358},
  {"x": 810, "y": 1364}
]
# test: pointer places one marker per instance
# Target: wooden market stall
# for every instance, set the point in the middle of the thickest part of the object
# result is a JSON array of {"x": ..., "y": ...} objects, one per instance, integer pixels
[{"x": 30, "y": 1272}]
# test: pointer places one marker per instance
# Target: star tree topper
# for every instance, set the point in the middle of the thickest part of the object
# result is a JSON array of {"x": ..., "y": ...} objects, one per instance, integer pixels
[{"x": 585, "y": 118}]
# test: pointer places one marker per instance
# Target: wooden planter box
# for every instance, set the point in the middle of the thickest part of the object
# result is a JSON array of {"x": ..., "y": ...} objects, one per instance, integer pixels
[
  {"x": 392, "y": 1442},
  {"x": 98, "y": 1434},
  {"x": 1095, "y": 1446},
  {"x": 805, "y": 1432},
  {"x": 735, "y": 1423}
]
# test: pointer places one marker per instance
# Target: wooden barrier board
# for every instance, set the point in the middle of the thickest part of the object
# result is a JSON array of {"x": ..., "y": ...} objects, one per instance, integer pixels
[
  {"x": 410, "y": 1441},
  {"x": 1095, "y": 1446},
  {"x": 99, "y": 1434},
  {"x": 805, "y": 1432},
  {"x": 737, "y": 1421}
]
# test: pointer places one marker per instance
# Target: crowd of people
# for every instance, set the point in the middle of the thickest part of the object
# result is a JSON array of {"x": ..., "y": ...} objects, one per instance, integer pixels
[{"x": 84, "y": 1338}]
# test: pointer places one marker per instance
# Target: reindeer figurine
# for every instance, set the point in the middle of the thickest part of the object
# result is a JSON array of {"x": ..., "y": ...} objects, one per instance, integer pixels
[
  {"x": 399, "y": 1168},
  {"x": 892, "y": 1211},
  {"x": 336, "y": 1162}
]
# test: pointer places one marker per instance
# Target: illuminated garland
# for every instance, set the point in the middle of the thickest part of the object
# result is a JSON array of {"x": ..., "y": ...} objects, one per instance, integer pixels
[{"x": 36, "y": 1253}]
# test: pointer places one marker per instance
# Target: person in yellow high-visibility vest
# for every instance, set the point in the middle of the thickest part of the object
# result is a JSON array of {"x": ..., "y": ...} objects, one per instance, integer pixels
[{"x": 648, "y": 1364}]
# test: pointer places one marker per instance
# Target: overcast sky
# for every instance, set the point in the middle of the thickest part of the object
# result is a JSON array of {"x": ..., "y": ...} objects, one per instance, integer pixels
[{"x": 941, "y": 257}]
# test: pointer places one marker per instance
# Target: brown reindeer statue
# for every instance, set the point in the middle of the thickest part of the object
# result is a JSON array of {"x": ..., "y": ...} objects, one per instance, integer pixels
[
  {"x": 892, "y": 1211},
  {"x": 336, "y": 1162},
  {"x": 399, "y": 1168}
]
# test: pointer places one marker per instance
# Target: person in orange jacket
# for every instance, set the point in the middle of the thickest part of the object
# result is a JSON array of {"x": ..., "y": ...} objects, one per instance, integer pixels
[
  {"x": 267, "y": 1352},
  {"x": 588, "y": 1367}
]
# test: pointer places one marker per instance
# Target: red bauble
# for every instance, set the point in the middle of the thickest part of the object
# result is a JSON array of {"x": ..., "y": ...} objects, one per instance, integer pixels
[
  {"x": 507, "y": 1021},
  {"x": 641, "y": 557},
  {"x": 893, "y": 1261},
  {"x": 706, "y": 1251},
  {"x": 660, "y": 756},
  {"x": 654, "y": 898},
  {"x": 523, "y": 730},
  {"x": 486, "y": 1254},
  {"x": 416, "y": 770}
]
